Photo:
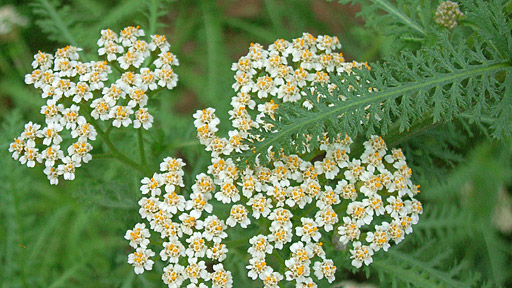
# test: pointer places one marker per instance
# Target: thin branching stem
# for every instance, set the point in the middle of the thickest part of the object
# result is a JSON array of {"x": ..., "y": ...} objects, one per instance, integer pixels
[
  {"x": 142, "y": 154},
  {"x": 115, "y": 152}
]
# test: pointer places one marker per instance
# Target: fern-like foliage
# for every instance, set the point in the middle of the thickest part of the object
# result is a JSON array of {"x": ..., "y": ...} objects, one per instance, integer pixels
[
  {"x": 66, "y": 22},
  {"x": 436, "y": 84},
  {"x": 402, "y": 17},
  {"x": 419, "y": 270},
  {"x": 55, "y": 21}
]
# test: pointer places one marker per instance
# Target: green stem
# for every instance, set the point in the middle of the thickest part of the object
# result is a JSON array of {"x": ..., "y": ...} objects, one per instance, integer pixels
[
  {"x": 115, "y": 152},
  {"x": 386, "y": 6},
  {"x": 141, "y": 148},
  {"x": 280, "y": 259},
  {"x": 153, "y": 16}
]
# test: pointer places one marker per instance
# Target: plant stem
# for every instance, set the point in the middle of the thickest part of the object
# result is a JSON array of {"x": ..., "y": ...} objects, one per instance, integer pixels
[
  {"x": 141, "y": 148},
  {"x": 115, "y": 152}
]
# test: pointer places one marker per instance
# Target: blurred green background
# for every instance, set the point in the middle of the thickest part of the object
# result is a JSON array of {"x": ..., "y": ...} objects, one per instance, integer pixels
[{"x": 71, "y": 235}]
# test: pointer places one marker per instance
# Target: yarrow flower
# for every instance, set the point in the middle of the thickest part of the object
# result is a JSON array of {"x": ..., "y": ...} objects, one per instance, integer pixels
[
  {"x": 189, "y": 236},
  {"x": 79, "y": 94},
  {"x": 339, "y": 192}
]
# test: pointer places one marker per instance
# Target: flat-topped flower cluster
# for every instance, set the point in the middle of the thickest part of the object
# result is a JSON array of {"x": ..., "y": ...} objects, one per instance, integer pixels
[
  {"x": 366, "y": 200},
  {"x": 192, "y": 234},
  {"x": 78, "y": 94}
]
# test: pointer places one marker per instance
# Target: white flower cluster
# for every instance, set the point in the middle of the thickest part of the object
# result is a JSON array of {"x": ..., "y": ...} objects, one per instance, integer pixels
[
  {"x": 266, "y": 78},
  {"x": 10, "y": 19},
  {"x": 185, "y": 228},
  {"x": 339, "y": 192},
  {"x": 75, "y": 90}
]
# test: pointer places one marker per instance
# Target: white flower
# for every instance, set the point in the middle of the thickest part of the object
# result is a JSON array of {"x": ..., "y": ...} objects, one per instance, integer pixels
[
  {"x": 396, "y": 232},
  {"x": 170, "y": 164},
  {"x": 70, "y": 117},
  {"x": 147, "y": 79},
  {"x": 137, "y": 97},
  {"x": 280, "y": 236},
  {"x": 111, "y": 49},
  {"x": 172, "y": 202},
  {"x": 298, "y": 271},
  {"x": 107, "y": 35},
  {"x": 152, "y": 185},
  {"x": 17, "y": 147},
  {"x": 396, "y": 207},
  {"x": 51, "y": 155},
  {"x": 188, "y": 223},
  {"x": 346, "y": 190},
  {"x": 95, "y": 80},
  {"x": 376, "y": 204},
  {"x": 141, "y": 47},
  {"x": 238, "y": 215},
  {"x": 396, "y": 155},
  {"x": 301, "y": 253},
  {"x": 327, "y": 198},
  {"x": 140, "y": 260},
  {"x": 101, "y": 109},
  {"x": 260, "y": 206},
  {"x": 360, "y": 212},
  {"x": 198, "y": 203},
  {"x": 354, "y": 171},
  {"x": 349, "y": 231},
  {"x": 167, "y": 77},
  {"x": 204, "y": 184},
  {"x": 361, "y": 254},
  {"x": 259, "y": 246},
  {"x": 220, "y": 277},
  {"x": 214, "y": 229},
  {"x": 81, "y": 92},
  {"x": 148, "y": 207},
  {"x": 172, "y": 250},
  {"x": 217, "y": 252},
  {"x": 113, "y": 93},
  {"x": 121, "y": 116},
  {"x": 166, "y": 59},
  {"x": 159, "y": 41},
  {"x": 205, "y": 116},
  {"x": 138, "y": 236},
  {"x": 228, "y": 193},
  {"x": 52, "y": 111},
  {"x": 325, "y": 269},
  {"x": 173, "y": 275},
  {"x": 326, "y": 217},
  {"x": 197, "y": 246},
  {"x": 84, "y": 131},
  {"x": 79, "y": 151},
  {"x": 258, "y": 268},
  {"x": 52, "y": 174},
  {"x": 271, "y": 280},
  {"x": 308, "y": 231},
  {"x": 196, "y": 270},
  {"x": 68, "y": 168},
  {"x": 281, "y": 218},
  {"x": 31, "y": 131},
  {"x": 43, "y": 61},
  {"x": 380, "y": 238},
  {"x": 327, "y": 43},
  {"x": 129, "y": 35}
]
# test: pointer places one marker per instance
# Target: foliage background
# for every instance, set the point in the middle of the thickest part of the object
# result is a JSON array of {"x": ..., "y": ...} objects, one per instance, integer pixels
[{"x": 72, "y": 235}]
